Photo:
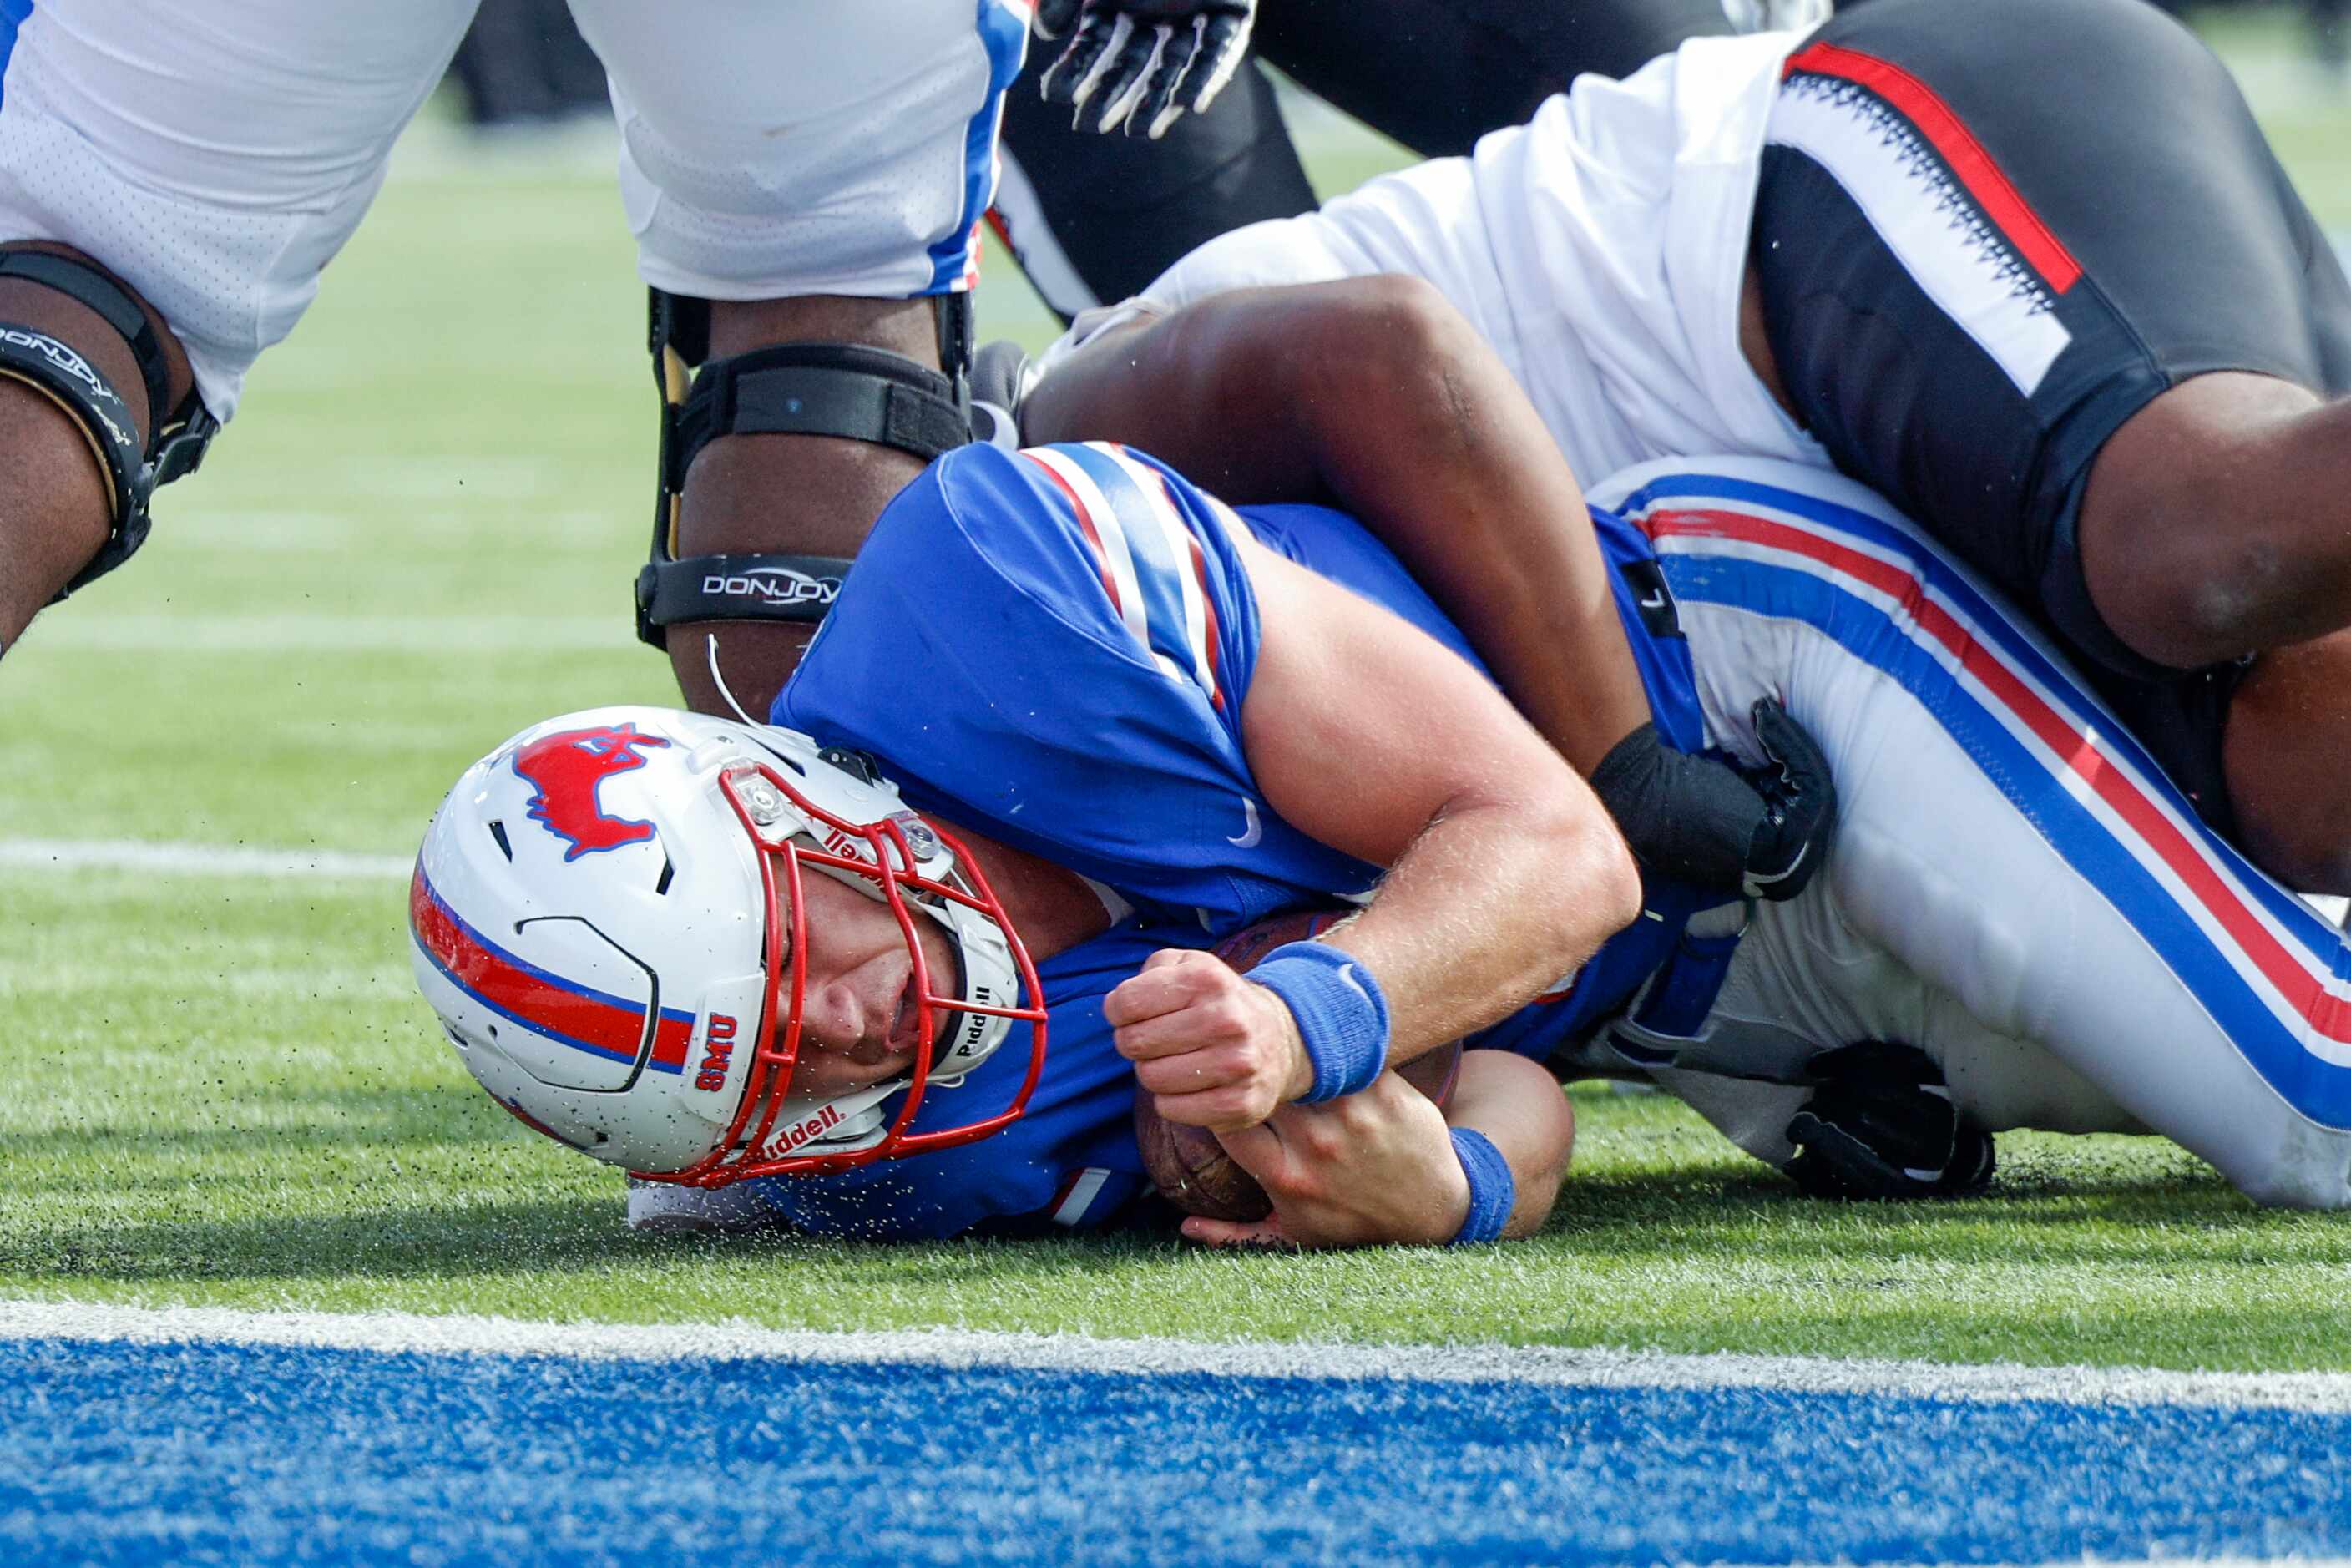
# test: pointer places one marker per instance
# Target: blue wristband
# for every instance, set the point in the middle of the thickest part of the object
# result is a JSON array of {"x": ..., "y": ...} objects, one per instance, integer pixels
[
  {"x": 1343, "y": 1018},
  {"x": 1493, "y": 1190}
]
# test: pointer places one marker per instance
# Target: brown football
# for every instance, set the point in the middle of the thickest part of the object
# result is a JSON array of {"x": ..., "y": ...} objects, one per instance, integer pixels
[{"x": 1188, "y": 1164}]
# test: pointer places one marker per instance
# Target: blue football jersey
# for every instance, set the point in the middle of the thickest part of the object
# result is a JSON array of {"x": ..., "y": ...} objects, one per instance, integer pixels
[{"x": 1053, "y": 647}]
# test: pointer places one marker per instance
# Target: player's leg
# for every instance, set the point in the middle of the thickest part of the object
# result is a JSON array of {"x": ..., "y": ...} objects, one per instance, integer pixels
[
  {"x": 150, "y": 257},
  {"x": 773, "y": 520},
  {"x": 1094, "y": 218},
  {"x": 1436, "y": 75},
  {"x": 804, "y": 183},
  {"x": 68, "y": 482},
  {"x": 2078, "y": 325},
  {"x": 2003, "y": 841}
]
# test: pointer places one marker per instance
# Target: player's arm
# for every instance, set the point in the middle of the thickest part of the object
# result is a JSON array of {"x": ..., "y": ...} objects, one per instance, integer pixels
[
  {"x": 1386, "y": 1165},
  {"x": 1520, "y": 1108},
  {"x": 1504, "y": 871},
  {"x": 1377, "y": 395},
  {"x": 1373, "y": 394}
]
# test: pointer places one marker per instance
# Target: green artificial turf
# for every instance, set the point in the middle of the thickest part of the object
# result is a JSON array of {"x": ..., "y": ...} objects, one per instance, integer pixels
[
  {"x": 229, "y": 1094},
  {"x": 418, "y": 536}
]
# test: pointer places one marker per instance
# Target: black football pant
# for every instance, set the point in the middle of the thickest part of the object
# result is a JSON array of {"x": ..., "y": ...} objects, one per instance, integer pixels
[{"x": 1095, "y": 218}]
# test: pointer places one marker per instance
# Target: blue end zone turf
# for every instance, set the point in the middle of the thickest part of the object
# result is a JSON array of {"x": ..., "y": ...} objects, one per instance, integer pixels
[{"x": 124, "y": 1452}]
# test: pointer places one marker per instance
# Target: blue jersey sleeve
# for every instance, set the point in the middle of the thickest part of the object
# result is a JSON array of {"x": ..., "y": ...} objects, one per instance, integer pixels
[{"x": 1053, "y": 647}]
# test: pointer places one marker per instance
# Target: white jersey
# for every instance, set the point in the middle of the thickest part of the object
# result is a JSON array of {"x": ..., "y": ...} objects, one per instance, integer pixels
[
  {"x": 1599, "y": 248},
  {"x": 2013, "y": 887},
  {"x": 217, "y": 153}
]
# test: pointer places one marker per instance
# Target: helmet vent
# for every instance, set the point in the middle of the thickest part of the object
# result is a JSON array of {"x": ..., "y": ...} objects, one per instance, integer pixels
[
  {"x": 499, "y": 831},
  {"x": 661, "y": 888},
  {"x": 783, "y": 756}
]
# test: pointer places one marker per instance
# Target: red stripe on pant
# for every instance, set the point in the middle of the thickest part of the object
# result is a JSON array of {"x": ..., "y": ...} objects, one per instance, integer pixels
[{"x": 2002, "y": 202}]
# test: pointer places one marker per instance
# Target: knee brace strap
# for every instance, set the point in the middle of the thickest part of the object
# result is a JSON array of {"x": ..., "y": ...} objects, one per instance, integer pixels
[
  {"x": 843, "y": 390},
  {"x": 55, "y": 368},
  {"x": 819, "y": 389},
  {"x": 737, "y": 588}
]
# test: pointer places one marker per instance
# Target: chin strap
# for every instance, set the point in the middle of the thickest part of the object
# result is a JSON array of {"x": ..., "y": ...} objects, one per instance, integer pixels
[
  {"x": 842, "y": 390},
  {"x": 177, "y": 437}
]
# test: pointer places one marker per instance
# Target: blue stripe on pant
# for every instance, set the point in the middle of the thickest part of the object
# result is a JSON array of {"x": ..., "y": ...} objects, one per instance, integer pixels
[
  {"x": 2318, "y": 1089},
  {"x": 1005, "y": 34}
]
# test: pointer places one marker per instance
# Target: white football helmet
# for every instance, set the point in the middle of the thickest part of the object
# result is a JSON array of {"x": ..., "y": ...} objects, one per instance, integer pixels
[{"x": 603, "y": 913}]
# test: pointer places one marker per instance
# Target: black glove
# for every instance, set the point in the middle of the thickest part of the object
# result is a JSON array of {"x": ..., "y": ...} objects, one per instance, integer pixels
[
  {"x": 999, "y": 379},
  {"x": 1882, "y": 1126},
  {"x": 1722, "y": 829},
  {"x": 1140, "y": 64}
]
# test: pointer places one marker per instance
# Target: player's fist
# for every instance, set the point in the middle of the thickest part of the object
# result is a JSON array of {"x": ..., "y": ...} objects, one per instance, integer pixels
[
  {"x": 1140, "y": 64},
  {"x": 1369, "y": 1169},
  {"x": 1218, "y": 1051}
]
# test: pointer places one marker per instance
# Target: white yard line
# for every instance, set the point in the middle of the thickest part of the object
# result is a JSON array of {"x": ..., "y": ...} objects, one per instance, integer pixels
[
  {"x": 194, "y": 860},
  {"x": 2324, "y": 1392}
]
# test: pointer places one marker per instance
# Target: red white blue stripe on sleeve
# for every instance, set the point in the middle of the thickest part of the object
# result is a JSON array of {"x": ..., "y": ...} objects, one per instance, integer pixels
[
  {"x": 1147, "y": 557},
  {"x": 1089, "y": 1196},
  {"x": 2273, "y": 973}
]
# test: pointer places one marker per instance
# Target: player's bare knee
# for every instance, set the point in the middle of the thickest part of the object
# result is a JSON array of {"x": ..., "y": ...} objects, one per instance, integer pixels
[
  {"x": 900, "y": 326},
  {"x": 1539, "y": 1188},
  {"x": 839, "y": 486},
  {"x": 53, "y": 513}
]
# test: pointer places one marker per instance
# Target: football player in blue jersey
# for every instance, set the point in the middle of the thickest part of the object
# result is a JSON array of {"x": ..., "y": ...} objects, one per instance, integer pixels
[
  {"x": 1076, "y": 724},
  {"x": 1135, "y": 712}
]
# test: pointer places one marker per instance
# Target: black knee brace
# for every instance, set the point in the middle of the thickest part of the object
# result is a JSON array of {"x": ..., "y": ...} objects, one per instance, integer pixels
[
  {"x": 798, "y": 389},
  {"x": 177, "y": 437}
]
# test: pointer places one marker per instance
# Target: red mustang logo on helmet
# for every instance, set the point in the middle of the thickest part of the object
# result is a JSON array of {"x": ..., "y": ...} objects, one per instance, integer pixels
[{"x": 569, "y": 768}]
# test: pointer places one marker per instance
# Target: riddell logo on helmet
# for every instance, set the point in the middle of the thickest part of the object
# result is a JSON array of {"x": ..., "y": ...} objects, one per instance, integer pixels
[
  {"x": 718, "y": 1051},
  {"x": 792, "y": 1137},
  {"x": 975, "y": 1025},
  {"x": 774, "y": 585}
]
